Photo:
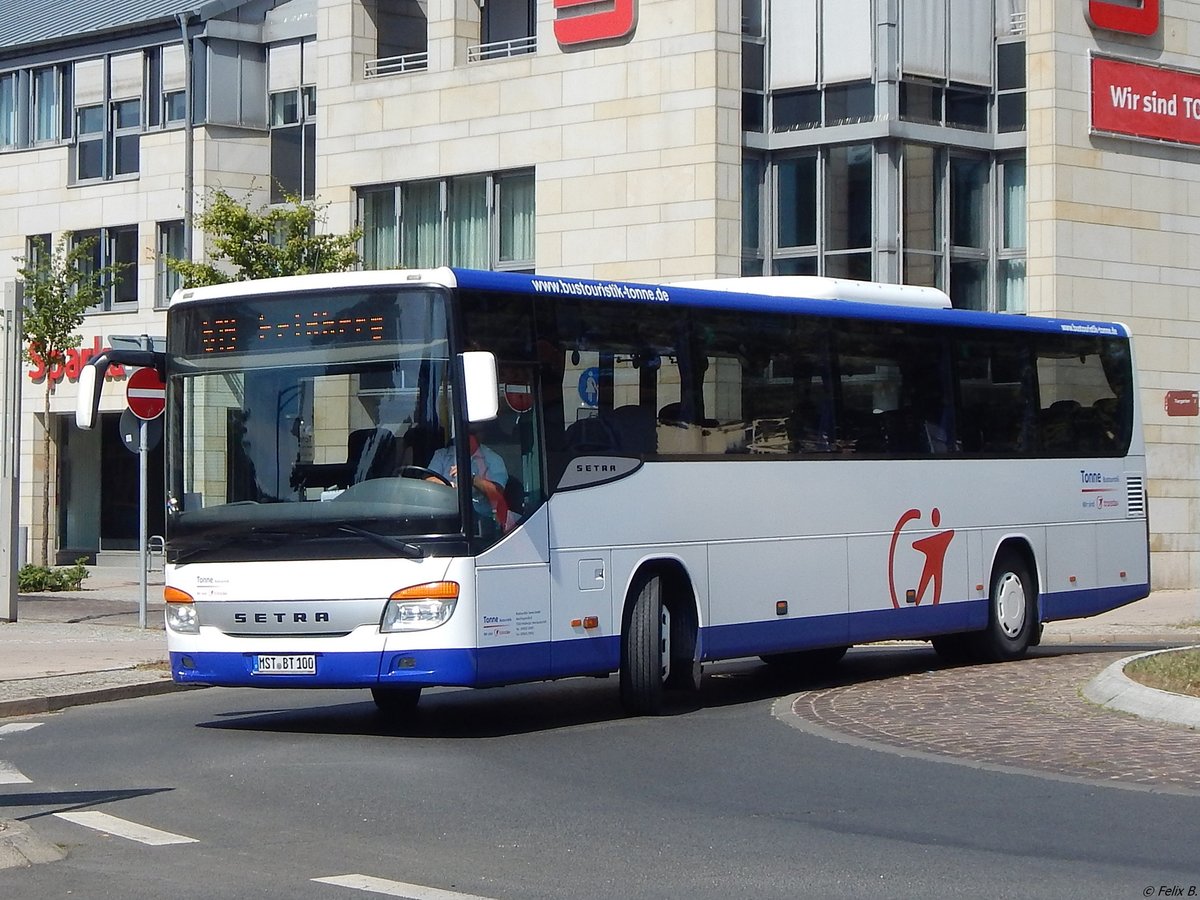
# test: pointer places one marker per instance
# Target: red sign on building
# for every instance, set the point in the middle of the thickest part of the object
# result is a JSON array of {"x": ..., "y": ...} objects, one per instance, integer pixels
[
  {"x": 1182, "y": 403},
  {"x": 1145, "y": 101},
  {"x": 590, "y": 21},
  {"x": 1141, "y": 19}
]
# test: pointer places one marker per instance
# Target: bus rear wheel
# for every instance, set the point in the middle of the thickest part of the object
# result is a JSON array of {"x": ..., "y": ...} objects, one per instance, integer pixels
[
  {"x": 646, "y": 651},
  {"x": 396, "y": 702},
  {"x": 1012, "y": 611}
]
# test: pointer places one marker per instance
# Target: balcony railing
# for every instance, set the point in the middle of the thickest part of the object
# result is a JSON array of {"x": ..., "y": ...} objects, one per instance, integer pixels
[
  {"x": 397, "y": 65},
  {"x": 501, "y": 49}
]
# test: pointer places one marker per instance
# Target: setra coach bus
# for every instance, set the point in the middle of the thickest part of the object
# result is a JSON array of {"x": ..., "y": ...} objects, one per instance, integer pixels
[{"x": 660, "y": 476}]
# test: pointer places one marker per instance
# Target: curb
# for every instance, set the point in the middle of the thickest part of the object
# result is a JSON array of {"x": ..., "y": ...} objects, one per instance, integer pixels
[
  {"x": 1113, "y": 689},
  {"x": 32, "y": 706}
]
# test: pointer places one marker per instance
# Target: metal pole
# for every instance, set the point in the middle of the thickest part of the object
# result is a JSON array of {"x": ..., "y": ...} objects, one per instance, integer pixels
[
  {"x": 143, "y": 502},
  {"x": 10, "y": 446}
]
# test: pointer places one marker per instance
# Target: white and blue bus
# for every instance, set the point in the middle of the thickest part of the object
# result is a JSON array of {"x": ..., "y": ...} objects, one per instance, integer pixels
[{"x": 661, "y": 476}]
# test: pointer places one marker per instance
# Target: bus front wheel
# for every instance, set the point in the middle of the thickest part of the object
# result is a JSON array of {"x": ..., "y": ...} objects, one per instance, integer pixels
[
  {"x": 1012, "y": 611},
  {"x": 646, "y": 651}
]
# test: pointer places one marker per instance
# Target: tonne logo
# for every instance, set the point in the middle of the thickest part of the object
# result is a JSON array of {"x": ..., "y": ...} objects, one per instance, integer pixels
[
  {"x": 1138, "y": 18},
  {"x": 581, "y": 22},
  {"x": 933, "y": 548}
]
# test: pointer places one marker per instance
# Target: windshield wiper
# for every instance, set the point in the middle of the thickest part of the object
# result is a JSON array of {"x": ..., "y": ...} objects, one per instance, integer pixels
[{"x": 404, "y": 548}]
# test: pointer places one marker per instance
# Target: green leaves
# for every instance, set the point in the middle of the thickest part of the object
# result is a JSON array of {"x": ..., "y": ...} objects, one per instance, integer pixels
[
  {"x": 267, "y": 242},
  {"x": 60, "y": 287}
]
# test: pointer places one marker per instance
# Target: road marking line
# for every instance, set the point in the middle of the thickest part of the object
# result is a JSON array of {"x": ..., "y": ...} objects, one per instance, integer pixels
[
  {"x": 15, "y": 727},
  {"x": 395, "y": 888},
  {"x": 9, "y": 775},
  {"x": 123, "y": 828}
]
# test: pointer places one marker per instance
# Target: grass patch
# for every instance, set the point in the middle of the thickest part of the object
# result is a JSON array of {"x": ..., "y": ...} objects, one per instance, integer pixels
[{"x": 1177, "y": 671}]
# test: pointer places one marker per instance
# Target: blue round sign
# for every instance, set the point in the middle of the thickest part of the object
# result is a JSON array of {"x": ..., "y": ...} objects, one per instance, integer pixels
[{"x": 589, "y": 386}]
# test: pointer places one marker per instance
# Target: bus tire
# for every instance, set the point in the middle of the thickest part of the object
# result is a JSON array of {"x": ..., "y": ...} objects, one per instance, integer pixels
[
  {"x": 1012, "y": 611},
  {"x": 645, "y": 646},
  {"x": 953, "y": 648},
  {"x": 396, "y": 702}
]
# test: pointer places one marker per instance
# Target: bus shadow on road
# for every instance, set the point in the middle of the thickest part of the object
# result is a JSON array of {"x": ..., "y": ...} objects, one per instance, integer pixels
[{"x": 447, "y": 713}]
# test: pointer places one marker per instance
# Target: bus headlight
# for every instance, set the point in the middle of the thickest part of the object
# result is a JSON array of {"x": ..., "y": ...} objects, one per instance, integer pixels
[
  {"x": 420, "y": 607},
  {"x": 181, "y": 611}
]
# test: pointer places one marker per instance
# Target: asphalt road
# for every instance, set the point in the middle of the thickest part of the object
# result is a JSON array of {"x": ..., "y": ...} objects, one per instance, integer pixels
[{"x": 547, "y": 791}]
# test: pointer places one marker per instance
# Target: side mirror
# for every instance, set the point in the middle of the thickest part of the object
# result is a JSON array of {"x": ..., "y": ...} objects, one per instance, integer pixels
[
  {"x": 482, "y": 387},
  {"x": 91, "y": 380}
]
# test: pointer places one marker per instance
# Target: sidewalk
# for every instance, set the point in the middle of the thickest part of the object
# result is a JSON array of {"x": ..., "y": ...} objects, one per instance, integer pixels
[
  {"x": 78, "y": 647},
  {"x": 72, "y": 648}
]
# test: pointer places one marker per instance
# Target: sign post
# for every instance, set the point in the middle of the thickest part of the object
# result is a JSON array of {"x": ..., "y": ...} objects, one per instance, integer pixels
[
  {"x": 10, "y": 445},
  {"x": 146, "y": 396}
]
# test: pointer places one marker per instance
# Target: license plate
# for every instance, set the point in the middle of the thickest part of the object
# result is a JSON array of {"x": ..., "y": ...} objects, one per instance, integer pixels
[{"x": 286, "y": 665}]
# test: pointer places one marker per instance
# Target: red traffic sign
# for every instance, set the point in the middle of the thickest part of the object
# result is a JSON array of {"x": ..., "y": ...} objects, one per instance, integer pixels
[{"x": 146, "y": 394}]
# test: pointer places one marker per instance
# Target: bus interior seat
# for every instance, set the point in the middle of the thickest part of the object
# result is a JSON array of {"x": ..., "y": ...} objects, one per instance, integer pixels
[
  {"x": 590, "y": 434},
  {"x": 1058, "y": 424}
]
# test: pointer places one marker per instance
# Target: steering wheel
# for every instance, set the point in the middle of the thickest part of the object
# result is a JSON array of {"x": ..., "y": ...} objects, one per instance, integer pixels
[{"x": 422, "y": 472}]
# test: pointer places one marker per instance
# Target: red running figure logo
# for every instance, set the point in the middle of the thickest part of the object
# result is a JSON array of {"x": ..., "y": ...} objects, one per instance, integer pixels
[
  {"x": 934, "y": 547},
  {"x": 1140, "y": 20},
  {"x": 589, "y": 21}
]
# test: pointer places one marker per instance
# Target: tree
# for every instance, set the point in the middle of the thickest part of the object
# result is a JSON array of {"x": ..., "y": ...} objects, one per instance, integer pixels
[
  {"x": 265, "y": 243},
  {"x": 59, "y": 289}
]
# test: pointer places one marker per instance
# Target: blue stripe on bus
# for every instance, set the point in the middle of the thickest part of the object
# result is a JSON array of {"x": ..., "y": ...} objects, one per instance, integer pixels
[
  {"x": 1079, "y": 604},
  {"x": 581, "y": 288},
  {"x": 589, "y": 656},
  {"x": 783, "y": 635}
]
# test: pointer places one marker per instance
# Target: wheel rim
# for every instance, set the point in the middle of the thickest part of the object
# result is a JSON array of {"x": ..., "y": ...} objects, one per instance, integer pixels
[
  {"x": 665, "y": 644},
  {"x": 1010, "y": 604}
]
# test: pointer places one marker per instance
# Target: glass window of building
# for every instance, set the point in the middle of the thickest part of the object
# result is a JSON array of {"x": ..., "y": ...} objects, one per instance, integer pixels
[
  {"x": 752, "y": 206},
  {"x": 45, "y": 109},
  {"x": 476, "y": 221},
  {"x": 169, "y": 246},
  {"x": 921, "y": 213},
  {"x": 8, "y": 109},
  {"x": 506, "y": 28},
  {"x": 292, "y": 118},
  {"x": 114, "y": 249},
  {"x": 1010, "y": 292},
  {"x": 1010, "y": 86},
  {"x": 515, "y": 225}
]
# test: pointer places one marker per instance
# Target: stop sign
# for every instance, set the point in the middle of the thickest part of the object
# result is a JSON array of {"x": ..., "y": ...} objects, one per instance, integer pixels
[{"x": 146, "y": 394}]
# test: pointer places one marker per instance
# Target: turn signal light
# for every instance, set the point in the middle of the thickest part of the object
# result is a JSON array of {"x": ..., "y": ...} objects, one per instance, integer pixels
[
  {"x": 433, "y": 590},
  {"x": 175, "y": 595}
]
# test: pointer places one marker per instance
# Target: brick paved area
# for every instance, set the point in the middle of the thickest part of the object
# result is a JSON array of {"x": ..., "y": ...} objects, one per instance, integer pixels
[{"x": 1027, "y": 714}]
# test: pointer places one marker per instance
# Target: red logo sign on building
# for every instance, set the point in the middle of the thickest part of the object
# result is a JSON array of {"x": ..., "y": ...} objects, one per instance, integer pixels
[
  {"x": 1128, "y": 17},
  {"x": 1145, "y": 101},
  {"x": 146, "y": 394},
  {"x": 590, "y": 21}
]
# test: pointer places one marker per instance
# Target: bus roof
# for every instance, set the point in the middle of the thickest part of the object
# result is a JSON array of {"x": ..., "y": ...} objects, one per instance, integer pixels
[
  {"x": 815, "y": 287},
  {"x": 791, "y": 294}
]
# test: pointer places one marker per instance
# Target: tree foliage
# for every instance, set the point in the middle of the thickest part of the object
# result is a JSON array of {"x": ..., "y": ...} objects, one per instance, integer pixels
[
  {"x": 267, "y": 242},
  {"x": 60, "y": 288}
]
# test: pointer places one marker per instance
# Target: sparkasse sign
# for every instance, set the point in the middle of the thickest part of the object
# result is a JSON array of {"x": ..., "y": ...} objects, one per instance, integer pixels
[
  {"x": 1128, "y": 17},
  {"x": 582, "y": 22},
  {"x": 1145, "y": 101}
]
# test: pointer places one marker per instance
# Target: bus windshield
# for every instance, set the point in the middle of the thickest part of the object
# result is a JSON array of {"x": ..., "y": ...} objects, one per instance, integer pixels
[{"x": 296, "y": 420}]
